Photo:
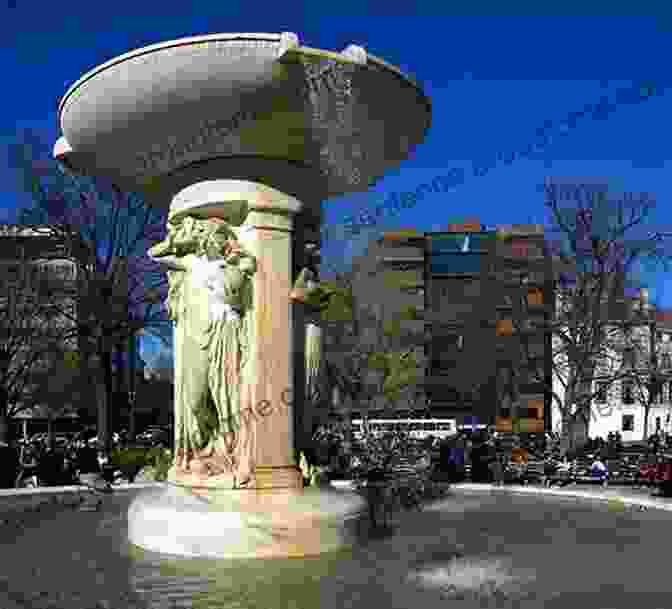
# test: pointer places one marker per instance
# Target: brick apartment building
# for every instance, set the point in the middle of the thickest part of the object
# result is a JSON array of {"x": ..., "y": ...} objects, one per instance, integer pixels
[
  {"x": 467, "y": 283},
  {"x": 618, "y": 406}
]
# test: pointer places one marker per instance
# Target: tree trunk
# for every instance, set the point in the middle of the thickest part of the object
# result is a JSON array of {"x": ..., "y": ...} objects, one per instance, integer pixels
[
  {"x": 105, "y": 405},
  {"x": 131, "y": 389},
  {"x": 647, "y": 408},
  {"x": 5, "y": 424},
  {"x": 50, "y": 430},
  {"x": 574, "y": 430}
]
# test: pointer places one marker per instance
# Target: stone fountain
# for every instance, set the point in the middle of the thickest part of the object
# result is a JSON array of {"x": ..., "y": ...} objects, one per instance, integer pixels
[{"x": 241, "y": 136}]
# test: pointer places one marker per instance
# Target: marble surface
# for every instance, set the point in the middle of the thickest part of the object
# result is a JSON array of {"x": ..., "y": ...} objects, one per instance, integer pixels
[{"x": 245, "y": 524}]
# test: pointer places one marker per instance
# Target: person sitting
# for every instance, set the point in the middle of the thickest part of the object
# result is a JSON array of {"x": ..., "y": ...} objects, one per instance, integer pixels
[
  {"x": 497, "y": 470},
  {"x": 519, "y": 460},
  {"x": 9, "y": 469},
  {"x": 598, "y": 470},
  {"x": 550, "y": 467},
  {"x": 446, "y": 464},
  {"x": 458, "y": 453},
  {"x": 564, "y": 471},
  {"x": 520, "y": 455},
  {"x": 87, "y": 459}
]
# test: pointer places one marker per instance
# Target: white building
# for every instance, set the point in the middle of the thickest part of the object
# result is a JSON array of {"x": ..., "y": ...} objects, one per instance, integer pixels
[{"x": 619, "y": 406}]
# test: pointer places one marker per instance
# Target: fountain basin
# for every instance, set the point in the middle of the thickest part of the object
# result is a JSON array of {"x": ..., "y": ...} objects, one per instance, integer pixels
[
  {"x": 213, "y": 523},
  {"x": 241, "y": 106}
]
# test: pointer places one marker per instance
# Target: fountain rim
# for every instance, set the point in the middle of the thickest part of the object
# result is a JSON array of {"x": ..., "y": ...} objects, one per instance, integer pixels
[{"x": 190, "y": 40}]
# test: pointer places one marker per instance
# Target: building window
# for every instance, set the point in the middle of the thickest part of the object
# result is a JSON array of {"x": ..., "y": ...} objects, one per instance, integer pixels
[
  {"x": 535, "y": 297},
  {"x": 657, "y": 393},
  {"x": 666, "y": 361},
  {"x": 532, "y": 413},
  {"x": 601, "y": 397},
  {"x": 470, "y": 263},
  {"x": 627, "y": 392},
  {"x": 504, "y": 327},
  {"x": 628, "y": 423}
]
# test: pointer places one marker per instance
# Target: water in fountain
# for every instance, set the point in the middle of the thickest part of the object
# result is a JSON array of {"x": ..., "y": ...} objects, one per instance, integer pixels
[{"x": 331, "y": 99}]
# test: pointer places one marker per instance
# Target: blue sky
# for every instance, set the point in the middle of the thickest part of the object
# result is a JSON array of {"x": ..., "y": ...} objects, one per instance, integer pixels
[{"x": 493, "y": 77}]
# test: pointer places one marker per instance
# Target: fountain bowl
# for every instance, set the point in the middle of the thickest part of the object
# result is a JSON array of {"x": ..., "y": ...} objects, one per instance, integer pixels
[{"x": 242, "y": 106}]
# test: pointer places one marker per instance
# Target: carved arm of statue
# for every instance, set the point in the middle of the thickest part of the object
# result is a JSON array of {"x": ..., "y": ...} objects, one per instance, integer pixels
[{"x": 173, "y": 263}]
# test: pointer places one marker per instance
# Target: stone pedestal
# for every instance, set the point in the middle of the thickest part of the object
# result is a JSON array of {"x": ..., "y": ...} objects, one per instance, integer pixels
[
  {"x": 267, "y": 234},
  {"x": 246, "y": 524}
]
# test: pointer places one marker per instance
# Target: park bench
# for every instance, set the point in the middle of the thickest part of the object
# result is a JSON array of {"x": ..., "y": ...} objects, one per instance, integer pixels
[{"x": 534, "y": 472}]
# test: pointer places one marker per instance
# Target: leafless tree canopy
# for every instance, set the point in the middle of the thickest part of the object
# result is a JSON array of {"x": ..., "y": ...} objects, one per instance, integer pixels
[
  {"x": 107, "y": 232},
  {"x": 599, "y": 243}
]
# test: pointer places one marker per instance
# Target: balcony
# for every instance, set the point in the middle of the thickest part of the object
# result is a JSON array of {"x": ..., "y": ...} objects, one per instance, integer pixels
[
  {"x": 521, "y": 425},
  {"x": 521, "y": 279},
  {"x": 458, "y": 315},
  {"x": 460, "y": 263},
  {"x": 521, "y": 251},
  {"x": 402, "y": 250},
  {"x": 404, "y": 262},
  {"x": 410, "y": 279},
  {"x": 402, "y": 236}
]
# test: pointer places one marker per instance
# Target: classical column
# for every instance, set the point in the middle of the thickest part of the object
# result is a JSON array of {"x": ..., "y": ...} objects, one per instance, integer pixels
[{"x": 267, "y": 234}]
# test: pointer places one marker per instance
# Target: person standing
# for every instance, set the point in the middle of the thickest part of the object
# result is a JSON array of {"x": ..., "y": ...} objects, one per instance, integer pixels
[
  {"x": 459, "y": 458},
  {"x": 446, "y": 463},
  {"x": 479, "y": 463},
  {"x": 497, "y": 470},
  {"x": 9, "y": 465}
]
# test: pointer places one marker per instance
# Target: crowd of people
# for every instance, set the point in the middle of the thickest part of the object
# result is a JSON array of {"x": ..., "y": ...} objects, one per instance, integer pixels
[
  {"x": 39, "y": 461},
  {"x": 492, "y": 457}
]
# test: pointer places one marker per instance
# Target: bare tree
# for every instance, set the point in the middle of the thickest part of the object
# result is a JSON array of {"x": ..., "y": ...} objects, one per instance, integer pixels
[
  {"x": 647, "y": 358},
  {"x": 33, "y": 333},
  {"x": 599, "y": 244},
  {"x": 108, "y": 231}
]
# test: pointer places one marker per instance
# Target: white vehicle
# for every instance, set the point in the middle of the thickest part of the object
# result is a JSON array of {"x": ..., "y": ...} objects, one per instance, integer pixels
[{"x": 418, "y": 429}]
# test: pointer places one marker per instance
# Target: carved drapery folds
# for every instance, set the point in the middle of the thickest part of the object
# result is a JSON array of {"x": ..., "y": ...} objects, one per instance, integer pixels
[{"x": 209, "y": 299}]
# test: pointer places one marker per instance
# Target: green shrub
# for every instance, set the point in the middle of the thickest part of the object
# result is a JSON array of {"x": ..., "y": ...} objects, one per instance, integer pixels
[
  {"x": 160, "y": 459},
  {"x": 129, "y": 456},
  {"x": 132, "y": 459}
]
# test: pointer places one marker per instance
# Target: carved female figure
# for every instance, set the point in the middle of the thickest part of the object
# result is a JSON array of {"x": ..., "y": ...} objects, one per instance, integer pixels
[{"x": 208, "y": 298}]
